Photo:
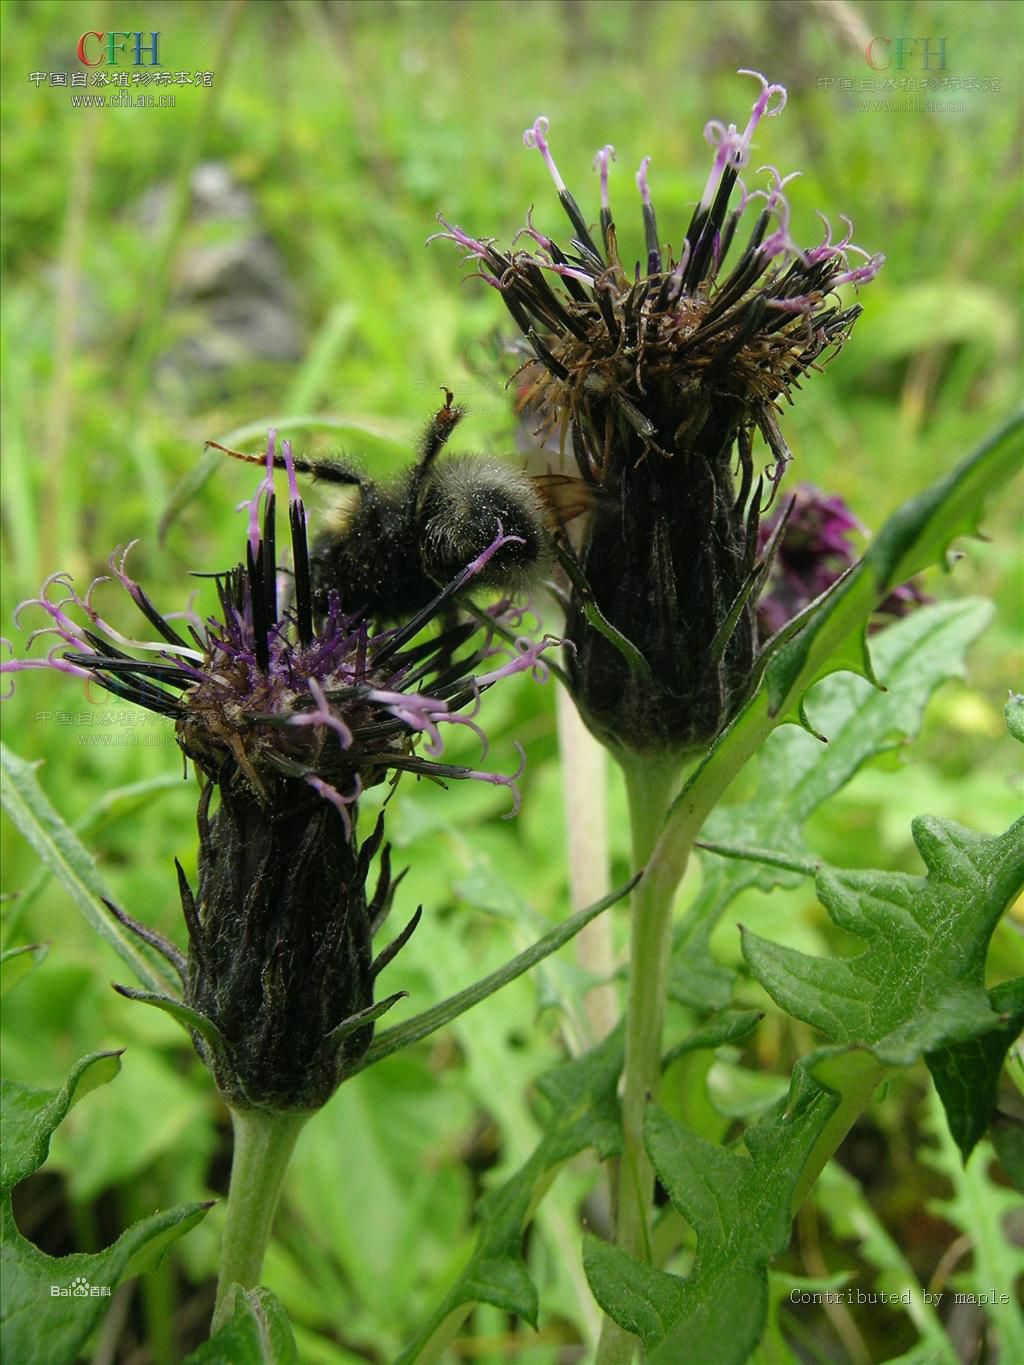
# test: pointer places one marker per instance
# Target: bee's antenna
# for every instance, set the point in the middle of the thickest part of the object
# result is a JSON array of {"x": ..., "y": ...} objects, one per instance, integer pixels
[{"x": 329, "y": 471}]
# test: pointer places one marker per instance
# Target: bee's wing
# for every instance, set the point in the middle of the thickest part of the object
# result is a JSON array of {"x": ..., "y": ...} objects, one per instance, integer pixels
[{"x": 564, "y": 497}]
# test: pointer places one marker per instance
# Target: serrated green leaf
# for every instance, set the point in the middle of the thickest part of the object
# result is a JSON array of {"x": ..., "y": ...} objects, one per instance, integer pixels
[
  {"x": 41, "y": 1323},
  {"x": 919, "y": 985},
  {"x": 28, "y": 1116},
  {"x": 584, "y": 1112},
  {"x": 966, "y": 1074},
  {"x": 16, "y": 963},
  {"x": 60, "y": 849},
  {"x": 798, "y": 773},
  {"x": 257, "y": 1333},
  {"x": 740, "y": 1208},
  {"x": 51, "y": 1305}
]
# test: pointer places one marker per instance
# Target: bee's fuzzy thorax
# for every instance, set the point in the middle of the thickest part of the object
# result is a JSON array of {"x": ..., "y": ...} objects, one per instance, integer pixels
[{"x": 470, "y": 499}]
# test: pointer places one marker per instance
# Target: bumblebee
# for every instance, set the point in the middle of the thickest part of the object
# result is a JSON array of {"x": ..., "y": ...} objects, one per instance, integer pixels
[{"x": 390, "y": 548}]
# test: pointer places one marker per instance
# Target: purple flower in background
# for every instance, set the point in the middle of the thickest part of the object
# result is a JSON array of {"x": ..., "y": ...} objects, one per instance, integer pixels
[
  {"x": 812, "y": 552},
  {"x": 658, "y": 375},
  {"x": 288, "y": 714}
]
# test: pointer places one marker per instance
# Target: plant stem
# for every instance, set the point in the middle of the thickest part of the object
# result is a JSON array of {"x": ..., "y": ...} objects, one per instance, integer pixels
[
  {"x": 585, "y": 799},
  {"x": 263, "y": 1145},
  {"x": 650, "y": 787}
]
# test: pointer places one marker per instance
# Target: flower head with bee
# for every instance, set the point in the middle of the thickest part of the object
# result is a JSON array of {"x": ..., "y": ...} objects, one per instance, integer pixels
[
  {"x": 660, "y": 376},
  {"x": 289, "y": 713}
]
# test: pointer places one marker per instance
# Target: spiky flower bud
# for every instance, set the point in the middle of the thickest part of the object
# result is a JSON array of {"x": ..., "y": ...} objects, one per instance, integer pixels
[
  {"x": 289, "y": 714},
  {"x": 661, "y": 376}
]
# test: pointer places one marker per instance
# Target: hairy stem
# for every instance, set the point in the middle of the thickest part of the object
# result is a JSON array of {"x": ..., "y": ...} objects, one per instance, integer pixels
[
  {"x": 264, "y": 1143},
  {"x": 650, "y": 787}
]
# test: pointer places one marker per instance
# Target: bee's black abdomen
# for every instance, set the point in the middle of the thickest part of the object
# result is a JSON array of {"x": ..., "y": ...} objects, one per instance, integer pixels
[{"x": 373, "y": 560}]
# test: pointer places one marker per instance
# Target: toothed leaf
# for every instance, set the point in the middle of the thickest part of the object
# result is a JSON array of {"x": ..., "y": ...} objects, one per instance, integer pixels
[
  {"x": 739, "y": 1205},
  {"x": 798, "y": 773},
  {"x": 51, "y": 1305},
  {"x": 919, "y": 985}
]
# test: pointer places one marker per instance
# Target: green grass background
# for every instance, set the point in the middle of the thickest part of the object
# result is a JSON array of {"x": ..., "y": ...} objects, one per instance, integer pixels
[{"x": 352, "y": 125}]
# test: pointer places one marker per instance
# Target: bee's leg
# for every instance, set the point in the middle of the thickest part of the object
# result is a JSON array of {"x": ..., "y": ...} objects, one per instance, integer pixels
[
  {"x": 327, "y": 470},
  {"x": 439, "y": 428}
]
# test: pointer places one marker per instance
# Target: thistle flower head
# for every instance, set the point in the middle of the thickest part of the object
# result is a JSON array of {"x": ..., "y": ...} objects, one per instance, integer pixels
[
  {"x": 289, "y": 714},
  {"x": 661, "y": 374}
]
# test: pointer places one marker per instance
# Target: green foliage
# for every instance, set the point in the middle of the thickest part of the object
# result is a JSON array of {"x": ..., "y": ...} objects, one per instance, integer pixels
[
  {"x": 918, "y": 987},
  {"x": 256, "y": 1333},
  {"x": 966, "y": 1074},
  {"x": 49, "y": 1310},
  {"x": 385, "y": 115},
  {"x": 583, "y": 1112},
  {"x": 920, "y": 983},
  {"x": 16, "y": 963},
  {"x": 852, "y": 1218},
  {"x": 60, "y": 851},
  {"x": 739, "y": 1206},
  {"x": 980, "y": 1207},
  {"x": 797, "y": 774}
]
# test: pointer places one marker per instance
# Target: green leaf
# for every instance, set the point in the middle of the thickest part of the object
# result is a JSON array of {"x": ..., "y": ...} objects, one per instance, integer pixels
[
  {"x": 422, "y": 1025},
  {"x": 798, "y": 773},
  {"x": 257, "y": 1333},
  {"x": 61, "y": 851},
  {"x": 729, "y": 1027},
  {"x": 28, "y": 1116},
  {"x": 584, "y": 1112},
  {"x": 966, "y": 1074},
  {"x": 1007, "y": 1134},
  {"x": 16, "y": 963},
  {"x": 51, "y": 1305},
  {"x": 639, "y": 1297},
  {"x": 1015, "y": 717},
  {"x": 107, "y": 807},
  {"x": 919, "y": 985},
  {"x": 740, "y": 1208}
]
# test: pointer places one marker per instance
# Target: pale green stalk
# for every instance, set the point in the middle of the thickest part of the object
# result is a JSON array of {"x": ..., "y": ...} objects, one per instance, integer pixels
[
  {"x": 651, "y": 785},
  {"x": 585, "y": 800},
  {"x": 264, "y": 1143}
]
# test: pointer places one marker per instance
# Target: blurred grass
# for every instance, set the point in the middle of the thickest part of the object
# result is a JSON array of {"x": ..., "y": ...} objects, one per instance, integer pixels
[{"x": 352, "y": 125}]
